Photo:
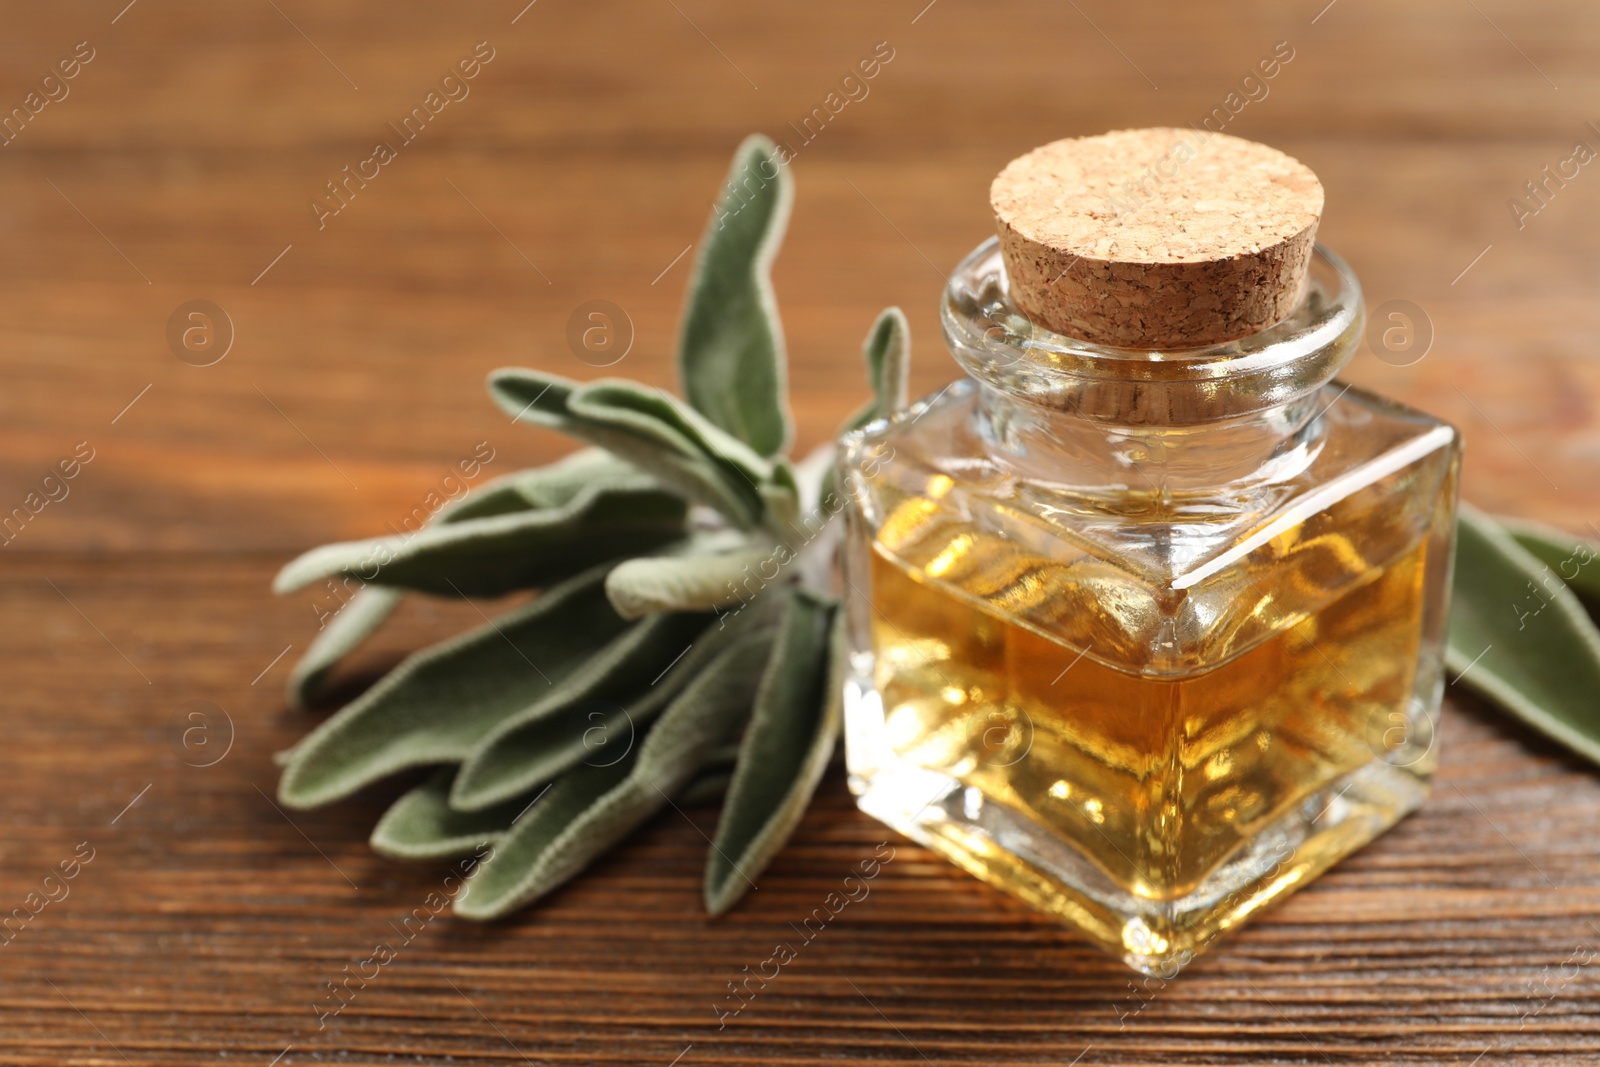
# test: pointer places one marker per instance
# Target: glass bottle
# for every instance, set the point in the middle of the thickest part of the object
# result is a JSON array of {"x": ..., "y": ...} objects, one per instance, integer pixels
[{"x": 1148, "y": 638}]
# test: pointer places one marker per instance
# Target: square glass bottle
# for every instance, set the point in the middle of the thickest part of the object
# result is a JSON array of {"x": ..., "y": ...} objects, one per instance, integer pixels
[{"x": 1147, "y": 637}]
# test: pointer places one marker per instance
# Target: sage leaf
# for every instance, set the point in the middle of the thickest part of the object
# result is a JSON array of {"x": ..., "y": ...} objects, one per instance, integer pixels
[
  {"x": 1521, "y": 638},
  {"x": 549, "y": 486},
  {"x": 793, "y": 730},
  {"x": 515, "y": 873},
  {"x": 528, "y": 750},
  {"x": 1576, "y": 561},
  {"x": 496, "y": 554},
  {"x": 639, "y": 587},
  {"x": 421, "y": 825},
  {"x": 629, "y": 405},
  {"x": 588, "y": 811},
  {"x": 633, "y": 431},
  {"x": 540, "y": 487},
  {"x": 620, "y": 402},
  {"x": 730, "y": 348},
  {"x": 887, "y": 351},
  {"x": 436, "y": 705},
  {"x": 708, "y": 786},
  {"x": 354, "y": 623},
  {"x": 780, "y": 497},
  {"x": 711, "y": 782}
]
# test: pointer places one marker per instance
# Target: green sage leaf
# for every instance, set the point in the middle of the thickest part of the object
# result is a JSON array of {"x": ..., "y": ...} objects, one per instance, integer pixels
[
  {"x": 780, "y": 496},
  {"x": 421, "y": 825},
  {"x": 495, "y": 554},
  {"x": 887, "y": 351},
  {"x": 355, "y": 622},
  {"x": 550, "y": 486},
  {"x": 528, "y": 750},
  {"x": 587, "y": 812},
  {"x": 708, "y": 787},
  {"x": 643, "y": 426},
  {"x": 1519, "y": 637},
  {"x": 620, "y": 402},
  {"x": 711, "y": 782},
  {"x": 730, "y": 349},
  {"x": 437, "y": 704},
  {"x": 515, "y": 873},
  {"x": 639, "y": 587},
  {"x": 1575, "y": 560},
  {"x": 793, "y": 729}
]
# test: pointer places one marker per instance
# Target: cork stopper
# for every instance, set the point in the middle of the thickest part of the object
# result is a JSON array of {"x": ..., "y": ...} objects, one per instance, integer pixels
[{"x": 1157, "y": 238}]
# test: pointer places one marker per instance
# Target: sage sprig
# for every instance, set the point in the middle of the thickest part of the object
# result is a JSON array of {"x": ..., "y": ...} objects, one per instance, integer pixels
[{"x": 561, "y": 725}]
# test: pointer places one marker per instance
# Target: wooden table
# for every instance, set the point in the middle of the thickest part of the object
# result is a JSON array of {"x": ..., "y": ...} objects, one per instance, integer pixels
[{"x": 181, "y": 166}]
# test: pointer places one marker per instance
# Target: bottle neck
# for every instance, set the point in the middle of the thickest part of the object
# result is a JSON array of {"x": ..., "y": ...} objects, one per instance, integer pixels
[
  {"x": 1052, "y": 447},
  {"x": 1064, "y": 411}
]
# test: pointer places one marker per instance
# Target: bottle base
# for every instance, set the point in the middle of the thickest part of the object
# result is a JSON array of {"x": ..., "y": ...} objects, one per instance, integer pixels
[{"x": 1155, "y": 937}]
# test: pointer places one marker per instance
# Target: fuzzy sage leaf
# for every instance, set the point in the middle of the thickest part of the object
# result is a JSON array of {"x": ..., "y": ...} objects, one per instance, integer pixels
[
  {"x": 528, "y": 750},
  {"x": 887, "y": 350},
  {"x": 355, "y": 622},
  {"x": 639, "y": 587},
  {"x": 552, "y": 486},
  {"x": 438, "y": 703},
  {"x": 1521, "y": 638},
  {"x": 496, "y": 554},
  {"x": 549, "y": 486},
  {"x": 593, "y": 808},
  {"x": 710, "y": 783},
  {"x": 730, "y": 348},
  {"x": 629, "y": 404},
  {"x": 648, "y": 428},
  {"x": 1574, "y": 560},
  {"x": 793, "y": 729},
  {"x": 421, "y": 825}
]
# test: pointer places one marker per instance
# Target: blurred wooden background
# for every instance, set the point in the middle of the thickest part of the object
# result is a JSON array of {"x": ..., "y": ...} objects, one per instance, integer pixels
[{"x": 180, "y": 165}]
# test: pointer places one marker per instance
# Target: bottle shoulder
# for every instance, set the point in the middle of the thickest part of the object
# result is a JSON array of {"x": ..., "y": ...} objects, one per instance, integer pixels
[{"x": 1140, "y": 562}]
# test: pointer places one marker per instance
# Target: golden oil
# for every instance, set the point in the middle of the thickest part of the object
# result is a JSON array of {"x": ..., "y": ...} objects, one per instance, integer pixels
[{"x": 1156, "y": 778}]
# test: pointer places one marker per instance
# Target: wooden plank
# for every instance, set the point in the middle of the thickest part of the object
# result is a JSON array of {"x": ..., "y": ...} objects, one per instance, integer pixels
[{"x": 580, "y": 167}]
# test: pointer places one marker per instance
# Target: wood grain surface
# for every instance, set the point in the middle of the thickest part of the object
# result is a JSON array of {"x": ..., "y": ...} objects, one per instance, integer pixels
[{"x": 180, "y": 165}]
